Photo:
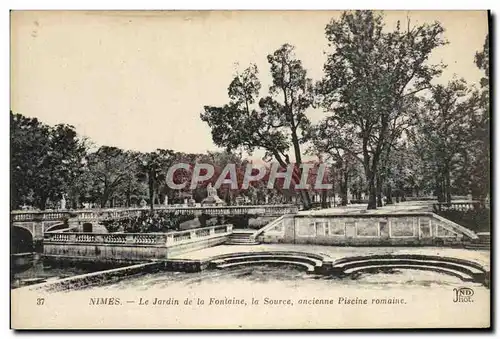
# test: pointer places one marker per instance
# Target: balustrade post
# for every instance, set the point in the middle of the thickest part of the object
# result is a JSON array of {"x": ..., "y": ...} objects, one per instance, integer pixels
[
  {"x": 170, "y": 239},
  {"x": 129, "y": 238}
]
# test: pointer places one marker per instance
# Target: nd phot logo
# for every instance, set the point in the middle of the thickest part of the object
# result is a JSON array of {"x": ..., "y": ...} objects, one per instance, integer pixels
[{"x": 463, "y": 295}]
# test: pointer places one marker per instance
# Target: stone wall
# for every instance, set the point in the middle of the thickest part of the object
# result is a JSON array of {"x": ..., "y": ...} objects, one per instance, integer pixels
[
  {"x": 372, "y": 229},
  {"x": 131, "y": 247},
  {"x": 99, "y": 278}
]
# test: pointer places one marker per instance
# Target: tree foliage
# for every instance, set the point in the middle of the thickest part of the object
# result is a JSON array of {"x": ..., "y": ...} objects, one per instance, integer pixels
[
  {"x": 44, "y": 160},
  {"x": 275, "y": 123},
  {"x": 389, "y": 129},
  {"x": 371, "y": 77}
]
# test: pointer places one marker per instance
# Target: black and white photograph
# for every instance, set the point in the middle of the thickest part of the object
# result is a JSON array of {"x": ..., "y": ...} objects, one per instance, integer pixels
[{"x": 250, "y": 170}]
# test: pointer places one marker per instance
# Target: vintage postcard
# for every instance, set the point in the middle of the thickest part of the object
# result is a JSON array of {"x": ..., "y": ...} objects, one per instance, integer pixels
[{"x": 250, "y": 170}]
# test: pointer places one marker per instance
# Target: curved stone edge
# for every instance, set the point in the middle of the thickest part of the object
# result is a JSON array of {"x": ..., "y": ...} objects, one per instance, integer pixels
[{"x": 485, "y": 279}]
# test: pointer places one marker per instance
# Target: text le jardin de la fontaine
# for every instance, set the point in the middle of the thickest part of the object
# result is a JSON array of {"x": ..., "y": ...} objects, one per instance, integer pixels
[{"x": 234, "y": 301}]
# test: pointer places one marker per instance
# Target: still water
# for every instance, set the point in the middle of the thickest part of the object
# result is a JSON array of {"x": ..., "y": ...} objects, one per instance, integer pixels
[
  {"x": 289, "y": 277},
  {"x": 33, "y": 269}
]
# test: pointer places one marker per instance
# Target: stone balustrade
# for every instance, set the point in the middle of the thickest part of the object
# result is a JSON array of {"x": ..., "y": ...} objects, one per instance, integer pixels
[
  {"x": 172, "y": 238},
  {"x": 462, "y": 206},
  {"x": 120, "y": 213},
  {"x": 39, "y": 215}
]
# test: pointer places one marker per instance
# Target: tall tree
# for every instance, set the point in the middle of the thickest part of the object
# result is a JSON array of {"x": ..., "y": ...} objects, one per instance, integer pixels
[
  {"x": 443, "y": 133},
  {"x": 154, "y": 165},
  {"x": 277, "y": 123},
  {"x": 108, "y": 169},
  {"x": 336, "y": 144},
  {"x": 28, "y": 143},
  {"x": 479, "y": 147},
  {"x": 370, "y": 75},
  {"x": 45, "y": 160}
]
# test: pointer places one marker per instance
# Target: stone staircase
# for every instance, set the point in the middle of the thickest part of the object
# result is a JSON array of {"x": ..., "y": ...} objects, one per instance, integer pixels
[
  {"x": 482, "y": 243},
  {"x": 309, "y": 262},
  {"x": 463, "y": 269},
  {"x": 242, "y": 237}
]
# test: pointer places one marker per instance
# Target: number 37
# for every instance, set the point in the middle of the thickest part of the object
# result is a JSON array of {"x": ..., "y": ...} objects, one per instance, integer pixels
[{"x": 40, "y": 301}]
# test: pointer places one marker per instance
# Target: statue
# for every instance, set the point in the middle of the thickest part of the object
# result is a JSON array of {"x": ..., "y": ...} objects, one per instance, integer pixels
[
  {"x": 63, "y": 202},
  {"x": 165, "y": 202},
  {"x": 212, "y": 198},
  {"x": 211, "y": 191}
]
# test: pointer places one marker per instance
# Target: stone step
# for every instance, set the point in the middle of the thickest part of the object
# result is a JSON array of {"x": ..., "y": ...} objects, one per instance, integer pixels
[
  {"x": 257, "y": 256},
  {"x": 229, "y": 242},
  {"x": 478, "y": 246},
  {"x": 243, "y": 231},
  {"x": 403, "y": 261},
  {"x": 310, "y": 268},
  {"x": 239, "y": 237},
  {"x": 455, "y": 273}
]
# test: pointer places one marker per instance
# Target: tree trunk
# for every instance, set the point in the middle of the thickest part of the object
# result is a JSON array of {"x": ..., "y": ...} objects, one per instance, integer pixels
[
  {"x": 379, "y": 191},
  {"x": 389, "y": 195},
  {"x": 448, "y": 186},
  {"x": 343, "y": 189},
  {"x": 440, "y": 190},
  {"x": 324, "y": 203},
  {"x": 151, "y": 191},
  {"x": 104, "y": 199},
  {"x": 371, "y": 172},
  {"x": 372, "y": 191},
  {"x": 43, "y": 202}
]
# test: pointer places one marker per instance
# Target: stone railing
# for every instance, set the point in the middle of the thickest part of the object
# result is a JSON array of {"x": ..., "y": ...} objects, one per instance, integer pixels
[
  {"x": 119, "y": 213},
  {"x": 462, "y": 206},
  {"x": 100, "y": 238},
  {"x": 176, "y": 238},
  {"x": 39, "y": 215},
  {"x": 165, "y": 239}
]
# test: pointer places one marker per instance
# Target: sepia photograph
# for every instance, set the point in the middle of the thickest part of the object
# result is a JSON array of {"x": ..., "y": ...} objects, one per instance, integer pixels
[{"x": 250, "y": 170}]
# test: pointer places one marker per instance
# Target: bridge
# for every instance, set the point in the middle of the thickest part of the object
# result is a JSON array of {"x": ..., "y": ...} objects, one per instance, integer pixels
[{"x": 37, "y": 223}]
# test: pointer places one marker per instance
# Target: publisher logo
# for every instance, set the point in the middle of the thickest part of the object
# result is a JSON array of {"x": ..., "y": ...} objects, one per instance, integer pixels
[{"x": 463, "y": 295}]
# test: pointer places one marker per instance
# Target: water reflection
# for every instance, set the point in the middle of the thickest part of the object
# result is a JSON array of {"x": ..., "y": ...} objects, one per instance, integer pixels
[{"x": 32, "y": 268}]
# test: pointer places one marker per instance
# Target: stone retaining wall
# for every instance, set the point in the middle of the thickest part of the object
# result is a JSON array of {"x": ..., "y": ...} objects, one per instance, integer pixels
[
  {"x": 99, "y": 278},
  {"x": 364, "y": 230}
]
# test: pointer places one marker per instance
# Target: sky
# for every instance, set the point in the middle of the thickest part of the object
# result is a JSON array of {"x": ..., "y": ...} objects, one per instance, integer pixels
[{"x": 139, "y": 80}]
